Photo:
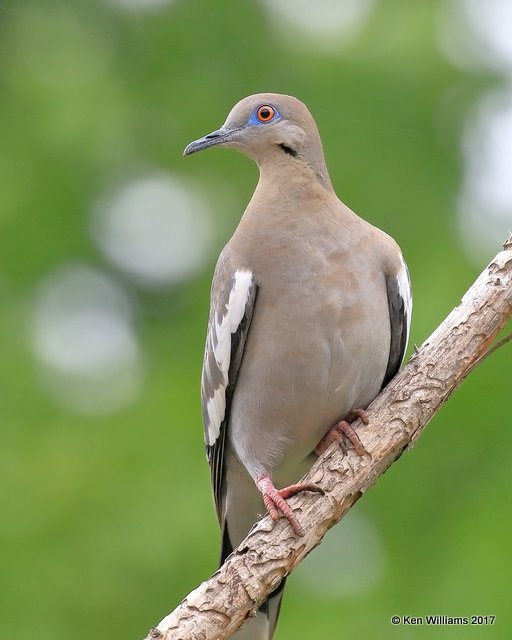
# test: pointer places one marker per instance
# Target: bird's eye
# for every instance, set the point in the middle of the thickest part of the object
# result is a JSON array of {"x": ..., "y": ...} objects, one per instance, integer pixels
[{"x": 265, "y": 113}]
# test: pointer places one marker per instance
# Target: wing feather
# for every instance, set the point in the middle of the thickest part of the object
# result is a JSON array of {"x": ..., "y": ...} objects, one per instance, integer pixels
[
  {"x": 400, "y": 310},
  {"x": 232, "y": 304}
]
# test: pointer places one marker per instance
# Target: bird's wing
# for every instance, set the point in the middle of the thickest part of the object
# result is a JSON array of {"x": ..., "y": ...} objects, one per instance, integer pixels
[
  {"x": 400, "y": 310},
  {"x": 232, "y": 303}
]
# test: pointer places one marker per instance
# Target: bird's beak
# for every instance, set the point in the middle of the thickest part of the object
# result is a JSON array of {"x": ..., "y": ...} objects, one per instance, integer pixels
[{"x": 212, "y": 139}]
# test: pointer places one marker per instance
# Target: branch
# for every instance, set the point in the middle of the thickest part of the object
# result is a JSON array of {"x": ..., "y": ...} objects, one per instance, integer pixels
[{"x": 397, "y": 418}]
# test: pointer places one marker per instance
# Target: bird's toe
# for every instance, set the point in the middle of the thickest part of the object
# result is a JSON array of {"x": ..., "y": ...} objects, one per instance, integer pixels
[{"x": 275, "y": 500}]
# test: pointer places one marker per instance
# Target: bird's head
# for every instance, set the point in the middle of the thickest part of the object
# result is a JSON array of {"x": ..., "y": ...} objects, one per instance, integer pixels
[{"x": 269, "y": 127}]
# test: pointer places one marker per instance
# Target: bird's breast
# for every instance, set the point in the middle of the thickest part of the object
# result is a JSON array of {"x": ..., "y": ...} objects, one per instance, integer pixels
[{"x": 314, "y": 352}]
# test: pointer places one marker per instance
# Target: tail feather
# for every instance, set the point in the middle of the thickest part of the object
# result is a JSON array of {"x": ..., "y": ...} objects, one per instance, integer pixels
[
  {"x": 226, "y": 547},
  {"x": 263, "y": 625}
]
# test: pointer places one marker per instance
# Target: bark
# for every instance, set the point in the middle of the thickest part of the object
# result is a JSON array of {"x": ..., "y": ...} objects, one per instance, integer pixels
[{"x": 397, "y": 418}]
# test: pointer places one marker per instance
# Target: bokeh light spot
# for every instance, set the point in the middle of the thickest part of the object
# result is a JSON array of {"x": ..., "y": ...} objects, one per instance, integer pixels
[
  {"x": 84, "y": 340},
  {"x": 476, "y": 33},
  {"x": 327, "y": 25},
  {"x": 156, "y": 229},
  {"x": 485, "y": 199}
]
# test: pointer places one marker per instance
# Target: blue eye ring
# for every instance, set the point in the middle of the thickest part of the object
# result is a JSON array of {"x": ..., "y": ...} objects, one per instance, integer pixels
[{"x": 264, "y": 114}]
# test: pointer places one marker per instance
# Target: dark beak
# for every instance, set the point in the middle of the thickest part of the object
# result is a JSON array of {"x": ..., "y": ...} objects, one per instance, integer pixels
[{"x": 212, "y": 139}]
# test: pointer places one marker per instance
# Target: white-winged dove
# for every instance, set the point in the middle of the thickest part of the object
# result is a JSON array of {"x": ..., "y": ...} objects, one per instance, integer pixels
[{"x": 309, "y": 320}]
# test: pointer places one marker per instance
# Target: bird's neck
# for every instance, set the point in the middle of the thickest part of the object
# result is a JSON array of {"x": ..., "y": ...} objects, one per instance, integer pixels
[
  {"x": 283, "y": 174},
  {"x": 289, "y": 194}
]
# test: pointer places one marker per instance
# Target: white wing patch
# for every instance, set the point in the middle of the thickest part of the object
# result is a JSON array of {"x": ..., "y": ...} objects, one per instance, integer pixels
[
  {"x": 220, "y": 342},
  {"x": 404, "y": 289}
]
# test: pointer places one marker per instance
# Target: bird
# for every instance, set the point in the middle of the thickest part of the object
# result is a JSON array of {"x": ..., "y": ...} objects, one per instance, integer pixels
[{"x": 309, "y": 319}]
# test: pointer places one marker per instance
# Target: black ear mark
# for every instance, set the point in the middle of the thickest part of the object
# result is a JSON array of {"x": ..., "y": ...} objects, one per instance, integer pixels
[{"x": 288, "y": 150}]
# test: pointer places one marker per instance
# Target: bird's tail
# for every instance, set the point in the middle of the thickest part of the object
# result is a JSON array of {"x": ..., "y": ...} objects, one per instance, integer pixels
[{"x": 263, "y": 625}]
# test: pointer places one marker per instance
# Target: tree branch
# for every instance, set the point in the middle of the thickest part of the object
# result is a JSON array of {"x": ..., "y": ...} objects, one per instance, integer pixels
[{"x": 397, "y": 418}]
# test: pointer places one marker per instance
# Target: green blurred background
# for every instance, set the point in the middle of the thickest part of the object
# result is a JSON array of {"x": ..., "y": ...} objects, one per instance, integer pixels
[{"x": 108, "y": 241}]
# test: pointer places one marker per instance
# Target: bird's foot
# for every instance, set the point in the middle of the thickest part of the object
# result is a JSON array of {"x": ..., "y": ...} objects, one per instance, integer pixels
[
  {"x": 356, "y": 414},
  {"x": 275, "y": 499},
  {"x": 344, "y": 428}
]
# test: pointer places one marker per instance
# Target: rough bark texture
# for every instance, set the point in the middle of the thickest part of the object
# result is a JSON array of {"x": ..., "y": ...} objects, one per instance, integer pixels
[{"x": 397, "y": 418}]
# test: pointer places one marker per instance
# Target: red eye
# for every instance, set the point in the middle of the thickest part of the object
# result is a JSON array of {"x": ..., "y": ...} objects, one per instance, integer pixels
[{"x": 265, "y": 113}]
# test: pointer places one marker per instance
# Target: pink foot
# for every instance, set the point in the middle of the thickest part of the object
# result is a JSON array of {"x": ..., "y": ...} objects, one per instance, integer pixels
[
  {"x": 275, "y": 499},
  {"x": 358, "y": 413},
  {"x": 343, "y": 428}
]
